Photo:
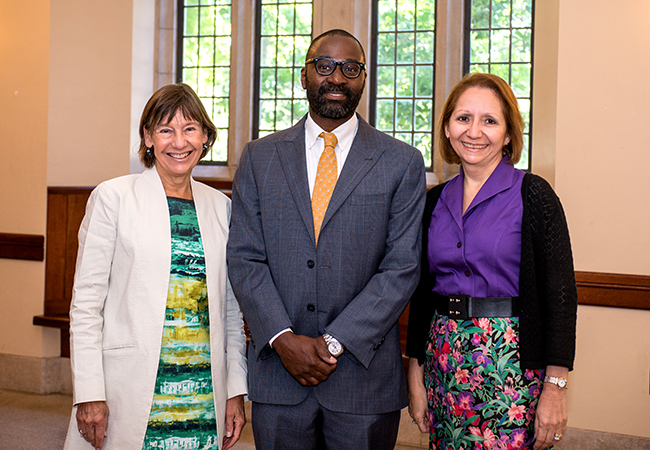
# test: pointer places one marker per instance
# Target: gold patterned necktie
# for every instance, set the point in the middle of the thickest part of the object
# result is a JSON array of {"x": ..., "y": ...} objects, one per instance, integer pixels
[{"x": 325, "y": 181}]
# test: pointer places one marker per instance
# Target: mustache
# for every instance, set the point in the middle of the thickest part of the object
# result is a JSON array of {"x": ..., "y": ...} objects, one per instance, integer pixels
[{"x": 330, "y": 87}]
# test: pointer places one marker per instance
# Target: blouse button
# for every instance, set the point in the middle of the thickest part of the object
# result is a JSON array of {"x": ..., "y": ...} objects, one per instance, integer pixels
[
  {"x": 459, "y": 245},
  {"x": 467, "y": 273}
]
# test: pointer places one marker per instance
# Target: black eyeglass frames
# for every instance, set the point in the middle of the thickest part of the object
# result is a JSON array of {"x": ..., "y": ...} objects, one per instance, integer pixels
[{"x": 327, "y": 66}]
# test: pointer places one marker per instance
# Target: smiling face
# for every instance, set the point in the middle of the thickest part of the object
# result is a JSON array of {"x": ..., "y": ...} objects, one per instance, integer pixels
[
  {"x": 333, "y": 98},
  {"x": 177, "y": 147},
  {"x": 477, "y": 129}
]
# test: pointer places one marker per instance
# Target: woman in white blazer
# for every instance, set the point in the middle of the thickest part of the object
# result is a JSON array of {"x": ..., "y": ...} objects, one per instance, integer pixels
[{"x": 157, "y": 344}]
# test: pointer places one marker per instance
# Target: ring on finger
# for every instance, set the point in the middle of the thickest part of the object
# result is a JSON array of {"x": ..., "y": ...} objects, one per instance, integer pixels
[
  {"x": 557, "y": 436},
  {"x": 82, "y": 433}
]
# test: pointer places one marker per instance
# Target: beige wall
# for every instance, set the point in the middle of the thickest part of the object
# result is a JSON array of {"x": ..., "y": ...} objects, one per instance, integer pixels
[
  {"x": 89, "y": 91},
  {"x": 601, "y": 177},
  {"x": 24, "y": 30}
]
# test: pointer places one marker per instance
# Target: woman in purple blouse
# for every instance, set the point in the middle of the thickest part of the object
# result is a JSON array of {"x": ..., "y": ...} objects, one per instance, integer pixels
[{"x": 491, "y": 335}]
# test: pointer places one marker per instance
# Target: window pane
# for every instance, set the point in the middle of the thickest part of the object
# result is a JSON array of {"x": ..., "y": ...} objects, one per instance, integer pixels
[
  {"x": 500, "y": 46},
  {"x": 480, "y": 13},
  {"x": 520, "y": 81},
  {"x": 385, "y": 113},
  {"x": 267, "y": 114},
  {"x": 521, "y": 40},
  {"x": 386, "y": 11},
  {"x": 191, "y": 21},
  {"x": 406, "y": 15},
  {"x": 386, "y": 81},
  {"x": 285, "y": 19},
  {"x": 425, "y": 46},
  {"x": 480, "y": 46},
  {"x": 404, "y": 116},
  {"x": 267, "y": 83},
  {"x": 424, "y": 81},
  {"x": 386, "y": 48},
  {"x": 268, "y": 48},
  {"x": 425, "y": 15},
  {"x": 285, "y": 83},
  {"x": 423, "y": 115},
  {"x": 405, "y": 81},
  {"x": 269, "y": 19},
  {"x": 500, "y": 13},
  {"x": 522, "y": 13}
]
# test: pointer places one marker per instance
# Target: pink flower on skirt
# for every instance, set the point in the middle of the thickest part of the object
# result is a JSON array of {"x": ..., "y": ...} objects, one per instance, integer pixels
[
  {"x": 516, "y": 412},
  {"x": 461, "y": 375}
]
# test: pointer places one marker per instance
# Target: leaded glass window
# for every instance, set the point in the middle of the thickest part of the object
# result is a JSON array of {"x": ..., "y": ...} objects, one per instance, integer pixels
[
  {"x": 500, "y": 41},
  {"x": 284, "y": 29},
  {"x": 204, "y": 63},
  {"x": 403, "y": 79}
]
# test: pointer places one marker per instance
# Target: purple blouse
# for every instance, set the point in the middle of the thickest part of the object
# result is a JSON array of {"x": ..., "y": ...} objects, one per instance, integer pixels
[{"x": 479, "y": 253}]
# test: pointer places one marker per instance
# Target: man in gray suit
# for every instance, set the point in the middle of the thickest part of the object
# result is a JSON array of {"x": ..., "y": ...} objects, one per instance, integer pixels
[{"x": 322, "y": 291}]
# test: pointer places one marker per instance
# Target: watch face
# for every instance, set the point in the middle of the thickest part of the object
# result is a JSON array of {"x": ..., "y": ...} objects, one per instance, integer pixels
[
  {"x": 334, "y": 348},
  {"x": 561, "y": 382}
]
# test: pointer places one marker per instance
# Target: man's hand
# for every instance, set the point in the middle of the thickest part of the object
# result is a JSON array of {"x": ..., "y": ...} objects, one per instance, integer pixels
[
  {"x": 92, "y": 421},
  {"x": 306, "y": 359}
]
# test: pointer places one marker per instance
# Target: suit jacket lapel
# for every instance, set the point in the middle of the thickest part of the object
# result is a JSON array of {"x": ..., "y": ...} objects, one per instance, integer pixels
[
  {"x": 291, "y": 152},
  {"x": 364, "y": 154}
]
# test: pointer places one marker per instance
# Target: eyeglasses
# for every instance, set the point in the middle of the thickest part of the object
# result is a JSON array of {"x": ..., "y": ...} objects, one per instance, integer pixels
[{"x": 327, "y": 66}]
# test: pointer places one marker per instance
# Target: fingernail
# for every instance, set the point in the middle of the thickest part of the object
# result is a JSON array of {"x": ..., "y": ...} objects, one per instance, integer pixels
[{"x": 228, "y": 433}]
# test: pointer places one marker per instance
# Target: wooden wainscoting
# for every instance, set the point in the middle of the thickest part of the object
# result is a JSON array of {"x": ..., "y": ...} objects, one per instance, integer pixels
[
  {"x": 612, "y": 289},
  {"x": 21, "y": 246},
  {"x": 65, "y": 210}
]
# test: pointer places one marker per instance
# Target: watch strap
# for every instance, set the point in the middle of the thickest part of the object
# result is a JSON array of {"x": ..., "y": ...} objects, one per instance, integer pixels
[{"x": 560, "y": 382}]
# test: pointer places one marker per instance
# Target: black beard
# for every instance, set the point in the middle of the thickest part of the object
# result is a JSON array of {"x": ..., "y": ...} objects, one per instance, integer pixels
[{"x": 332, "y": 109}]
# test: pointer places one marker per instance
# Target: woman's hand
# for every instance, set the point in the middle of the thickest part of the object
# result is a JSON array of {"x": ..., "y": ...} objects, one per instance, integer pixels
[
  {"x": 235, "y": 420},
  {"x": 418, "y": 405},
  {"x": 551, "y": 416},
  {"x": 92, "y": 421}
]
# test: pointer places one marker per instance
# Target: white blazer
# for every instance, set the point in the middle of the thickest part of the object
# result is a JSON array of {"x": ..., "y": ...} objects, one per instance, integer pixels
[{"x": 119, "y": 301}]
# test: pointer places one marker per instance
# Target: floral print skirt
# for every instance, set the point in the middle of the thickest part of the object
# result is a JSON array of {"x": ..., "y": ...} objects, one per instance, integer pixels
[{"x": 479, "y": 398}]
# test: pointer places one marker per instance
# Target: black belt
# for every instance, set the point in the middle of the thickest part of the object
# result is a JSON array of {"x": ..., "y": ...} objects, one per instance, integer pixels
[{"x": 466, "y": 307}]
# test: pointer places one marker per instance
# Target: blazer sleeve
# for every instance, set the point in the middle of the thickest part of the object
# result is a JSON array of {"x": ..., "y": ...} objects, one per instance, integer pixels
[
  {"x": 364, "y": 322},
  {"x": 236, "y": 349},
  {"x": 248, "y": 266},
  {"x": 97, "y": 240}
]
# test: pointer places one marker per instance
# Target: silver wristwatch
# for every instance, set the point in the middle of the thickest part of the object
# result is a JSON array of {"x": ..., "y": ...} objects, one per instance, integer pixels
[
  {"x": 333, "y": 346},
  {"x": 559, "y": 382}
]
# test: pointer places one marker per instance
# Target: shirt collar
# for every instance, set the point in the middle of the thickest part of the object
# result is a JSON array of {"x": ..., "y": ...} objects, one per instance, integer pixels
[
  {"x": 502, "y": 178},
  {"x": 344, "y": 133}
]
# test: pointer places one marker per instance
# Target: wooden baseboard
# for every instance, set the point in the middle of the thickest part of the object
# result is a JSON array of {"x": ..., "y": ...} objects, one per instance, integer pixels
[
  {"x": 615, "y": 290},
  {"x": 29, "y": 247}
]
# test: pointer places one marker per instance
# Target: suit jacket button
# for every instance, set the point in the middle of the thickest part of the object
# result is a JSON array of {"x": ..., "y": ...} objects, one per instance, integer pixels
[
  {"x": 310, "y": 264},
  {"x": 311, "y": 308}
]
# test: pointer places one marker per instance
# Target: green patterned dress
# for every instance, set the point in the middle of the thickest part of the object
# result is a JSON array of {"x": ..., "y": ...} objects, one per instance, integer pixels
[{"x": 182, "y": 415}]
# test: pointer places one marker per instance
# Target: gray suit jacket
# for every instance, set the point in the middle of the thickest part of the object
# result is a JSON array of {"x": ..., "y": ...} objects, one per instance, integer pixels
[{"x": 354, "y": 285}]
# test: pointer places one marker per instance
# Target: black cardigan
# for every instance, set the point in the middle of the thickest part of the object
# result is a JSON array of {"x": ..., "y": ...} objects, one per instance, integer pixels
[{"x": 548, "y": 298}]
